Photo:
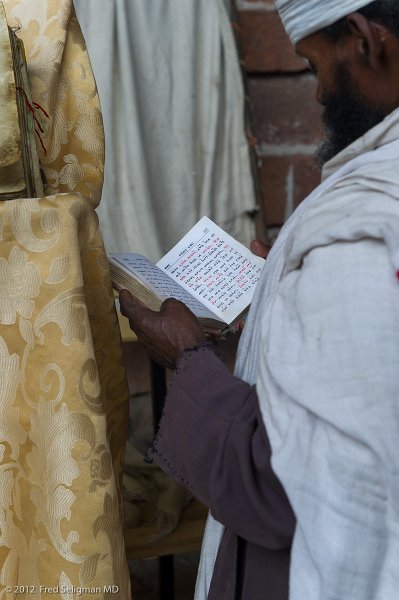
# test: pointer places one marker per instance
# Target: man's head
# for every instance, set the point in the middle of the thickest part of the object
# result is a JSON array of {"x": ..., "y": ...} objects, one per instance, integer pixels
[{"x": 356, "y": 59}]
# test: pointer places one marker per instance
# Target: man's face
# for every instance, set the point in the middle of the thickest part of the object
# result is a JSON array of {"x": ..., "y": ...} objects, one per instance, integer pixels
[{"x": 347, "y": 114}]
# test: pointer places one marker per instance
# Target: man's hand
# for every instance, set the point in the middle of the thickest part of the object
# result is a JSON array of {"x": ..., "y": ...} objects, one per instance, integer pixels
[
  {"x": 259, "y": 248},
  {"x": 164, "y": 334}
]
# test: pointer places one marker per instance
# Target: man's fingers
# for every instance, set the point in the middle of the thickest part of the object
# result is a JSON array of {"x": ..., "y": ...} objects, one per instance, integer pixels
[
  {"x": 174, "y": 304},
  {"x": 130, "y": 305},
  {"x": 259, "y": 248},
  {"x": 165, "y": 333},
  {"x": 170, "y": 301}
]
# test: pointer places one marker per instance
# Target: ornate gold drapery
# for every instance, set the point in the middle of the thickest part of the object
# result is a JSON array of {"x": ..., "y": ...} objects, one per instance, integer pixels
[{"x": 63, "y": 391}]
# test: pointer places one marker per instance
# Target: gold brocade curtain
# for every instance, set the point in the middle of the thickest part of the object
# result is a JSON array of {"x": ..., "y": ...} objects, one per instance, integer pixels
[{"x": 63, "y": 392}]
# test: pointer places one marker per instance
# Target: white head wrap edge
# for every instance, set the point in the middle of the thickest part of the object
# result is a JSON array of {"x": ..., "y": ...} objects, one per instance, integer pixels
[{"x": 303, "y": 17}]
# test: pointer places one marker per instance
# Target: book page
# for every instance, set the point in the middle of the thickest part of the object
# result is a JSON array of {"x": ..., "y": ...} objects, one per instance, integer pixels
[
  {"x": 164, "y": 286},
  {"x": 213, "y": 266}
]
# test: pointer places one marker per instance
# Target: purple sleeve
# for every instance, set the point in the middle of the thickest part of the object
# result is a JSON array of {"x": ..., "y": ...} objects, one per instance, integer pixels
[{"x": 212, "y": 440}]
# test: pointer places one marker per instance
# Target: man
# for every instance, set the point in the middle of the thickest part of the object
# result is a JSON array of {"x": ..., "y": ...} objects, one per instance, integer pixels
[{"x": 316, "y": 374}]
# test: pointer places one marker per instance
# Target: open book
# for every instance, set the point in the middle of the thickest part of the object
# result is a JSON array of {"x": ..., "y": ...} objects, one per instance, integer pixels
[
  {"x": 208, "y": 270},
  {"x": 19, "y": 159}
]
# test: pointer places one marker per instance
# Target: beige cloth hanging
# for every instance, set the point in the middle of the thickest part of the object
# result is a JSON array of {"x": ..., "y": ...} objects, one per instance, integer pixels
[{"x": 63, "y": 393}]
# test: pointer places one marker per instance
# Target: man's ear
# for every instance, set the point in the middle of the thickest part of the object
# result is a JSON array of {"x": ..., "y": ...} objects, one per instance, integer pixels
[{"x": 370, "y": 38}]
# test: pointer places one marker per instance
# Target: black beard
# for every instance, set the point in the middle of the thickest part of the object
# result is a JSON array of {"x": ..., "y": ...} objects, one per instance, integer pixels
[{"x": 346, "y": 117}]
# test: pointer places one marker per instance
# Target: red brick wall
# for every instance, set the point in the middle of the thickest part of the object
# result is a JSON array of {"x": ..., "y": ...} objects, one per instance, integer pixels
[{"x": 284, "y": 115}]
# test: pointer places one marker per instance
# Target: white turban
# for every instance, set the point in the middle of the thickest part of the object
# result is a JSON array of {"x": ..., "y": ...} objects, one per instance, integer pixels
[{"x": 303, "y": 17}]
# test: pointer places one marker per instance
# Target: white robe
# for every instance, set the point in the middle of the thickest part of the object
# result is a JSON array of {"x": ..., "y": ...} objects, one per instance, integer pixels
[{"x": 322, "y": 345}]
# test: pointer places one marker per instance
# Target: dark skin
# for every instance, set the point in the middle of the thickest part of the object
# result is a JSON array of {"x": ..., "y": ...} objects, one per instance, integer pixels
[{"x": 371, "y": 54}]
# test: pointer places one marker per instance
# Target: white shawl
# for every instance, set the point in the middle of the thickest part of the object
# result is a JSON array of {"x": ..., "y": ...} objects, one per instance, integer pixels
[{"x": 322, "y": 345}]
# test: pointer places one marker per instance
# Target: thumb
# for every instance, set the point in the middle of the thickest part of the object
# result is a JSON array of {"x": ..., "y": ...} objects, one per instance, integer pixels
[
  {"x": 129, "y": 304},
  {"x": 259, "y": 248}
]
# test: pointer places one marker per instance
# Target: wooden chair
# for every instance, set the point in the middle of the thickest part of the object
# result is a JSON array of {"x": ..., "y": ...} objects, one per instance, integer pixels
[{"x": 187, "y": 537}]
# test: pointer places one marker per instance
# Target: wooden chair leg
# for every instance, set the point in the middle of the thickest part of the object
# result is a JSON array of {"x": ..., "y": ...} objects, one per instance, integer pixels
[
  {"x": 166, "y": 578},
  {"x": 158, "y": 392}
]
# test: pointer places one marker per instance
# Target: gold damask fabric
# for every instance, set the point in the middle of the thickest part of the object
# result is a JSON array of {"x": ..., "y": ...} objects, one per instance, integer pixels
[{"x": 63, "y": 391}]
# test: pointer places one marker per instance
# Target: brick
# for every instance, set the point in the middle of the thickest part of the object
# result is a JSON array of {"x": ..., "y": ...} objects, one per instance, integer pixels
[
  {"x": 264, "y": 44},
  {"x": 284, "y": 110},
  {"x": 285, "y": 182}
]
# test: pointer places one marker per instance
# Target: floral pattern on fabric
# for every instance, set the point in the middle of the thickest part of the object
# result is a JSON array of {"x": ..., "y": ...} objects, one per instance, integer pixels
[{"x": 63, "y": 392}]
